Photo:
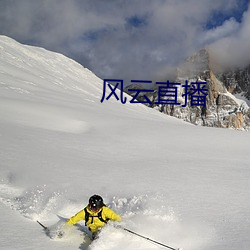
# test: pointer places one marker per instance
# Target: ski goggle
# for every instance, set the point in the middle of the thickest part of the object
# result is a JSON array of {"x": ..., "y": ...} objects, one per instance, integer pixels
[{"x": 94, "y": 208}]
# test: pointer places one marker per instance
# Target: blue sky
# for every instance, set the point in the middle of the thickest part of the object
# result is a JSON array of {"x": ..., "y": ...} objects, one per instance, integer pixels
[
  {"x": 131, "y": 39},
  {"x": 218, "y": 17}
]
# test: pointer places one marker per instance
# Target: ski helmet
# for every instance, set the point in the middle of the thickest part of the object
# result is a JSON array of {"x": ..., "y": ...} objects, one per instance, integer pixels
[{"x": 95, "y": 202}]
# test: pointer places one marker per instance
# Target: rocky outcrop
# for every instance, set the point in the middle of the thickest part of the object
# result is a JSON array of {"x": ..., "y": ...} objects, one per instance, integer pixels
[
  {"x": 237, "y": 81},
  {"x": 222, "y": 108}
]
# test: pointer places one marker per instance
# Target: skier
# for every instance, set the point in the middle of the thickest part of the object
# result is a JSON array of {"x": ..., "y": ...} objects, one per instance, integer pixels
[{"x": 95, "y": 214}]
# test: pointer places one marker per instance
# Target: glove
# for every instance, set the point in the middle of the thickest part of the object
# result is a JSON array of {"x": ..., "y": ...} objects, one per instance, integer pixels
[
  {"x": 118, "y": 226},
  {"x": 60, "y": 234},
  {"x": 62, "y": 229}
]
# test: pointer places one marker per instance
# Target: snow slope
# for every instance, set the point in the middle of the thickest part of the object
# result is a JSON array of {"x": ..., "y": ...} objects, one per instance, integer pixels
[{"x": 176, "y": 183}]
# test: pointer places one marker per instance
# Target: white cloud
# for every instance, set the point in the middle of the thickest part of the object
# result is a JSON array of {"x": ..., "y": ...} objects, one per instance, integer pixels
[
  {"x": 97, "y": 33},
  {"x": 228, "y": 28},
  {"x": 233, "y": 50}
]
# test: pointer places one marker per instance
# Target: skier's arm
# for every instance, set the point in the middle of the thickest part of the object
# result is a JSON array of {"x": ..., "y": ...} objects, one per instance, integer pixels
[
  {"x": 77, "y": 217},
  {"x": 110, "y": 214}
]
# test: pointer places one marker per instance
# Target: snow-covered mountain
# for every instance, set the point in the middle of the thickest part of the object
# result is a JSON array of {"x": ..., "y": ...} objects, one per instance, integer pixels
[
  {"x": 223, "y": 109},
  {"x": 227, "y": 96},
  {"x": 237, "y": 81},
  {"x": 182, "y": 185}
]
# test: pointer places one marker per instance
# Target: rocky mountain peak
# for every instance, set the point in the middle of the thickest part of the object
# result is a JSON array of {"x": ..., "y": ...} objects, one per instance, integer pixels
[
  {"x": 194, "y": 65},
  {"x": 222, "y": 108}
]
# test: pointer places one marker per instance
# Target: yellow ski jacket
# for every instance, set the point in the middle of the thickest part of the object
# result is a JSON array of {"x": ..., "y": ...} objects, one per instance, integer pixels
[{"x": 94, "y": 223}]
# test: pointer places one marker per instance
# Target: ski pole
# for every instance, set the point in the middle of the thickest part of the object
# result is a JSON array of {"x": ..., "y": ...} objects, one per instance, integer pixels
[
  {"x": 146, "y": 238},
  {"x": 45, "y": 228}
]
